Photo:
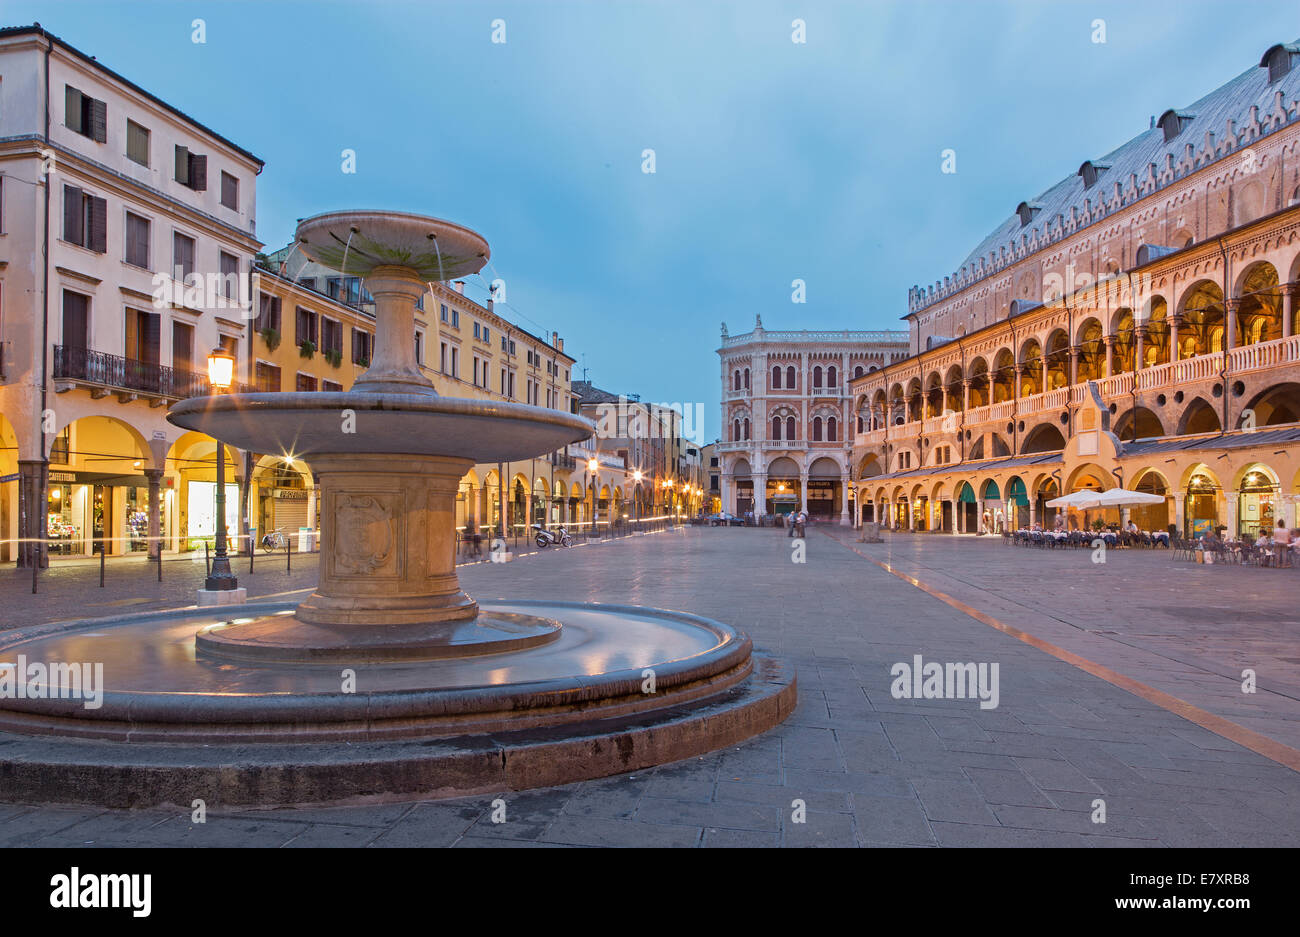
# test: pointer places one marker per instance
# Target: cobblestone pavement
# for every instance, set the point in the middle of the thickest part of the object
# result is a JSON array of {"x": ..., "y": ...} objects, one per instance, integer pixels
[{"x": 868, "y": 769}]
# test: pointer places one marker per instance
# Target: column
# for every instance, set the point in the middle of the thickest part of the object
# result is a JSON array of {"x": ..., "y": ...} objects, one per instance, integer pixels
[
  {"x": 954, "y": 511},
  {"x": 1033, "y": 512},
  {"x": 1288, "y": 305},
  {"x": 33, "y": 497},
  {"x": 979, "y": 517},
  {"x": 725, "y": 490},
  {"x": 1180, "y": 501},
  {"x": 1016, "y": 392},
  {"x": 965, "y": 394},
  {"x": 1074, "y": 364},
  {"x": 1174, "y": 323},
  {"x": 1045, "y": 371},
  {"x": 1230, "y": 512},
  {"x": 155, "y": 479},
  {"x": 803, "y": 489},
  {"x": 1110, "y": 355},
  {"x": 760, "y": 493},
  {"x": 1231, "y": 328},
  {"x": 1139, "y": 339},
  {"x": 845, "y": 520}
]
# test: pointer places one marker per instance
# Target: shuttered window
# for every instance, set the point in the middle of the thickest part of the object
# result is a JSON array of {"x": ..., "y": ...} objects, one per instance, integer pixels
[
  {"x": 137, "y": 240},
  {"x": 182, "y": 256},
  {"x": 191, "y": 169},
  {"x": 84, "y": 114},
  {"x": 360, "y": 347},
  {"x": 137, "y": 143},
  {"x": 76, "y": 319},
  {"x": 268, "y": 378},
  {"x": 85, "y": 219},
  {"x": 229, "y": 191},
  {"x": 268, "y": 313},
  {"x": 229, "y": 275},
  {"x": 331, "y": 336},
  {"x": 306, "y": 383},
  {"x": 306, "y": 326}
]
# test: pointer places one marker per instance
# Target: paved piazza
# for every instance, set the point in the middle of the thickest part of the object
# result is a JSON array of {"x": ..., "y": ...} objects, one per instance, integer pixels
[{"x": 868, "y": 768}]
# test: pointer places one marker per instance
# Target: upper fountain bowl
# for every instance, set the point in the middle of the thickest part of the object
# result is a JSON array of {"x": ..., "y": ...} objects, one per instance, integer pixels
[{"x": 357, "y": 242}]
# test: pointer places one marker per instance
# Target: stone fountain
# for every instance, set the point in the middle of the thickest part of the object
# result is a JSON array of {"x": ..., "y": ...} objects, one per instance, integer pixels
[{"x": 450, "y": 696}]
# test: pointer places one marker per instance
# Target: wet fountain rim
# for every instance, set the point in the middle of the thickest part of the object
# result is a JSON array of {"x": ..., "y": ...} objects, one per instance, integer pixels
[
  {"x": 729, "y": 655},
  {"x": 411, "y": 226}
]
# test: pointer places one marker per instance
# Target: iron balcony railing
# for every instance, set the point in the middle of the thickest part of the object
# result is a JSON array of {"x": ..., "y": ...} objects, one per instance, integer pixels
[{"x": 97, "y": 367}]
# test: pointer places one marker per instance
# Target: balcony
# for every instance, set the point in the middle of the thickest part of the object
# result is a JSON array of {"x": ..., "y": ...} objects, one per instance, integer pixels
[{"x": 130, "y": 379}]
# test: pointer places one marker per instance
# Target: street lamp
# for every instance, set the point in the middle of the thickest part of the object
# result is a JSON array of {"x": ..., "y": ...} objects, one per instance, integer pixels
[
  {"x": 593, "y": 466},
  {"x": 221, "y": 370},
  {"x": 637, "y": 476}
]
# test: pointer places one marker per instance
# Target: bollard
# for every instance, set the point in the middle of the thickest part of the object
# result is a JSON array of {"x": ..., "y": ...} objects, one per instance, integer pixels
[
  {"x": 160, "y": 561},
  {"x": 101, "y": 562},
  {"x": 288, "y": 556},
  {"x": 251, "y": 551},
  {"x": 207, "y": 565}
]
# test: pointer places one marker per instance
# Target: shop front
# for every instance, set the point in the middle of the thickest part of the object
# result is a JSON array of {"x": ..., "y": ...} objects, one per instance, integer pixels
[
  {"x": 90, "y": 512},
  {"x": 1256, "y": 506},
  {"x": 1202, "y": 511}
]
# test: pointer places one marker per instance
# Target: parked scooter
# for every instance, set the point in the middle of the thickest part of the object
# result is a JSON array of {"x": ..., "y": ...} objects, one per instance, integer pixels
[{"x": 545, "y": 538}]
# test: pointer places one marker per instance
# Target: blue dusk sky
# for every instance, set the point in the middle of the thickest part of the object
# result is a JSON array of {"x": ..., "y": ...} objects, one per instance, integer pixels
[{"x": 774, "y": 160}]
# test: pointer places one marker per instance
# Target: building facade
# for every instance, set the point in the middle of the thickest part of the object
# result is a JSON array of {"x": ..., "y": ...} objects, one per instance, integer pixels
[
  {"x": 1135, "y": 325},
  {"x": 787, "y": 417},
  {"x": 127, "y": 232}
]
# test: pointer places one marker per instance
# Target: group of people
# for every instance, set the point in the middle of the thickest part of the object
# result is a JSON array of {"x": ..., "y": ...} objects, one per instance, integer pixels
[{"x": 796, "y": 521}]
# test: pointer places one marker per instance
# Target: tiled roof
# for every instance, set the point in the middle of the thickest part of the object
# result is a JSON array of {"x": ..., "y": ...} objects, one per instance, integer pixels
[
  {"x": 1262, "y": 437},
  {"x": 969, "y": 468}
]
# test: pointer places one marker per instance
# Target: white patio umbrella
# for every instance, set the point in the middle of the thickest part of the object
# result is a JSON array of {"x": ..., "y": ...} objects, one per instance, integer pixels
[
  {"x": 1123, "y": 498},
  {"x": 1075, "y": 499}
]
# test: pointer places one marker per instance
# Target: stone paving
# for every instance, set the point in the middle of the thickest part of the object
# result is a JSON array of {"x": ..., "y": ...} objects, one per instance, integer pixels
[{"x": 856, "y": 765}]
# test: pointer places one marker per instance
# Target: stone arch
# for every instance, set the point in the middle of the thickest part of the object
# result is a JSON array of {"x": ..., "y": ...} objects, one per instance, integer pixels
[
  {"x": 1276, "y": 405},
  {"x": 1202, "y": 309},
  {"x": 1138, "y": 423},
  {"x": 1045, "y": 437},
  {"x": 1199, "y": 416},
  {"x": 1259, "y": 313}
]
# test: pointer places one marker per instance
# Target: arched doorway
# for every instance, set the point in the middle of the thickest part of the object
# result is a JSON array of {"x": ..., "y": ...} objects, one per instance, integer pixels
[
  {"x": 1017, "y": 503},
  {"x": 98, "y": 494},
  {"x": 967, "y": 509},
  {"x": 1201, "y": 503},
  {"x": 825, "y": 490},
  {"x": 783, "y": 493},
  {"x": 1151, "y": 517},
  {"x": 1258, "y": 501}
]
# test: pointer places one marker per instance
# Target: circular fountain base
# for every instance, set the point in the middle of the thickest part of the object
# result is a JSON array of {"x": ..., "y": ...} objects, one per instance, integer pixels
[
  {"x": 615, "y": 688},
  {"x": 288, "y": 639}
]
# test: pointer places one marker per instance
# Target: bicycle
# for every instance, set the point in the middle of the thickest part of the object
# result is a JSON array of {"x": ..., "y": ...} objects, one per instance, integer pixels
[{"x": 273, "y": 540}]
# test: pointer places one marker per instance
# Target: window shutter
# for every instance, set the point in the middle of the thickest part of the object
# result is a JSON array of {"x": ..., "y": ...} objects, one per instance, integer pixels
[
  {"x": 198, "y": 173},
  {"x": 97, "y": 236},
  {"x": 98, "y": 121},
  {"x": 72, "y": 108},
  {"x": 72, "y": 229},
  {"x": 182, "y": 165}
]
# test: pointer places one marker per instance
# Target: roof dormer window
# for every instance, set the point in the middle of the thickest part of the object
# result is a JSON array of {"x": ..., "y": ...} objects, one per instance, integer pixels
[
  {"x": 1089, "y": 172},
  {"x": 1027, "y": 211},
  {"x": 1173, "y": 122},
  {"x": 1280, "y": 59}
]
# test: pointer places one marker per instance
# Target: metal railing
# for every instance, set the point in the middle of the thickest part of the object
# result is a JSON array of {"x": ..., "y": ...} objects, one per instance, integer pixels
[{"x": 128, "y": 374}]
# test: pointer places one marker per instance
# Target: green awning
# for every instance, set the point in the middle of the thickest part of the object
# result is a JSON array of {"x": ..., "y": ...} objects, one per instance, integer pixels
[
  {"x": 991, "y": 492},
  {"x": 966, "y": 494},
  {"x": 1016, "y": 493}
]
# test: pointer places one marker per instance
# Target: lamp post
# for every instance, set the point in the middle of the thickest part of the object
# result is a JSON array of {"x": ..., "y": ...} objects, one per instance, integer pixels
[
  {"x": 593, "y": 466},
  {"x": 221, "y": 368},
  {"x": 636, "y": 495}
]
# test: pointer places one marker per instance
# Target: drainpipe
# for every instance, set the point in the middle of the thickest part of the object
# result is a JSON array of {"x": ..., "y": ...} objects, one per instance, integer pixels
[
  {"x": 1223, "y": 371},
  {"x": 1136, "y": 364},
  {"x": 37, "y": 510},
  {"x": 961, "y": 428}
]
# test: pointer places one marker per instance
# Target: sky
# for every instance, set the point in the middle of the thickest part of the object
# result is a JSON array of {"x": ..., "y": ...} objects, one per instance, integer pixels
[{"x": 774, "y": 160}]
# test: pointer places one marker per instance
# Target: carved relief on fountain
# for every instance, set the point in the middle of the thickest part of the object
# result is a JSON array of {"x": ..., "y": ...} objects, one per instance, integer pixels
[{"x": 364, "y": 535}]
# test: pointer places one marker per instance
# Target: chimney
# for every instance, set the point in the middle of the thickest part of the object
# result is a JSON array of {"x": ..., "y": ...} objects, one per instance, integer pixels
[
  {"x": 555, "y": 341},
  {"x": 489, "y": 304},
  {"x": 459, "y": 286}
]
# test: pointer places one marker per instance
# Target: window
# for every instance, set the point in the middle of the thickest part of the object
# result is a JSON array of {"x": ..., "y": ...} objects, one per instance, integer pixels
[
  {"x": 512, "y": 349},
  {"x": 443, "y": 313},
  {"x": 309, "y": 282},
  {"x": 735, "y": 430},
  {"x": 504, "y": 345},
  {"x": 331, "y": 386},
  {"x": 76, "y": 320},
  {"x": 85, "y": 220},
  {"x": 817, "y": 429},
  {"x": 191, "y": 169},
  {"x": 306, "y": 383},
  {"x": 776, "y": 378},
  {"x": 85, "y": 115},
  {"x": 419, "y": 347},
  {"x": 817, "y": 376},
  {"x": 831, "y": 377},
  {"x": 268, "y": 313},
  {"x": 503, "y": 382},
  {"x": 455, "y": 318},
  {"x": 857, "y": 372},
  {"x": 776, "y": 428},
  {"x": 229, "y": 275},
  {"x": 142, "y": 339},
  {"x": 137, "y": 143},
  {"x": 305, "y": 328},
  {"x": 229, "y": 191},
  {"x": 476, "y": 365},
  {"x": 455, "y": 362},
  {"x": 137, "y": 240},
  {"x": 331, "y": 336},
  {"x": 267, "y": 377},
  {"x": 183, "y": 347},
  {"x": 830, "y": 429},
  {"x": 746, "y": 378},
  {"x": 361, "y": 342},
  {"x": 511, "y": 395},
  {"x": 478, "y": 333},
  {"x": 487, "y": 334},
  {"x": 746, "y": 429},
  {"x": 789, "y": 428},
  {"x": 789, "y": 377},
  {"x": 182, "y": 255}
]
